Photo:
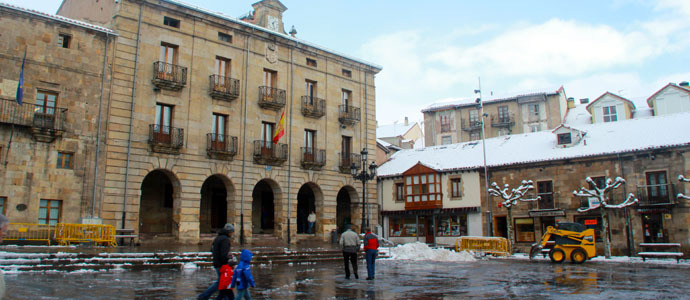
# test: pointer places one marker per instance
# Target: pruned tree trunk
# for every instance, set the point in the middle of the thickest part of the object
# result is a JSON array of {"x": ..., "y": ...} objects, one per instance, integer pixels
[
  {"x": 510, "y": 229},
  {"x": 605, "y": 232}
]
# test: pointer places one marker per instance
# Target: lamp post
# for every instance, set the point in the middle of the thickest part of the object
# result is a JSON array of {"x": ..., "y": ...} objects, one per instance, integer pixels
[
  {"x": 489, "y": 218},
  {"x": 364, "y": 176}
]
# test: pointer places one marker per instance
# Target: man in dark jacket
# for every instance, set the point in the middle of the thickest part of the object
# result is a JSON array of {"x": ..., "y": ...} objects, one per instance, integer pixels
[
  {"x": 349, "y": 240},
  {"x": 371, "y": 248},
  {"x": 220, "y": 249}
]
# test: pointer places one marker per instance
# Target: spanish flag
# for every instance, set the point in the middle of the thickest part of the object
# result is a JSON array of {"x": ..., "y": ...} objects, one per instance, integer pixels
[{"x": 280, "y": 131}]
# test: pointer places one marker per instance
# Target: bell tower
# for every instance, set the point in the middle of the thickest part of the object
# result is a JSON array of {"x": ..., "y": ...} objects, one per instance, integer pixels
[{"x": 267, "y": 14}]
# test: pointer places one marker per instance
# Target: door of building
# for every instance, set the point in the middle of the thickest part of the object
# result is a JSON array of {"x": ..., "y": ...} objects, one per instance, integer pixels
[{"x": 653, "y": 226}]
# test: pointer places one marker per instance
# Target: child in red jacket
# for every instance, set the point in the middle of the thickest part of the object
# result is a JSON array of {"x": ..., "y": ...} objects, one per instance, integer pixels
[{"x": 224, "y": 290}]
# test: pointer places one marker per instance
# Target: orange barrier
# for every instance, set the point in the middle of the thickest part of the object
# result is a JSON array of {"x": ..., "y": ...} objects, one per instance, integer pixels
[
  {"x": 80, "y": 233},
  {"x": 492, "y": 245},
  {"x": 28, "y": 232}
]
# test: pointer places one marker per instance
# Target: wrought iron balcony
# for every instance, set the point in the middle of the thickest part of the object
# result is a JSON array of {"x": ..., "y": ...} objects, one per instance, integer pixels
[
  {"x": 656, "y": 195},
  {"x": 471, "y": 125},
  {"x": 166, "y": 139},
  {"x": 313, "y": 107},
  {"x": 169, "y": 76},
  {"x": 445, "y": 127},
  {"x": 503, "y": 120},
  {"x": 46, "y": 123},
  {"x": 346, "y": 161},
  {"x": 268, "y": 153},
  {"x": 223, "y": 88},
  {"x": 221, "y": 146},
  {"x": 271, "y": 98},
  {"x": 348, "y": 115},
  {"x": 313, "y": 159}
]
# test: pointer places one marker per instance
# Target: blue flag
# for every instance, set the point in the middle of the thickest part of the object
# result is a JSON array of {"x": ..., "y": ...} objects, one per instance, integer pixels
[{"x": 20, "y": 86}]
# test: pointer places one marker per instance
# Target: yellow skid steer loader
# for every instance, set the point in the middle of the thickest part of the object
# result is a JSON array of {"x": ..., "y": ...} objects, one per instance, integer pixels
[{"x": 569, "y": 240}]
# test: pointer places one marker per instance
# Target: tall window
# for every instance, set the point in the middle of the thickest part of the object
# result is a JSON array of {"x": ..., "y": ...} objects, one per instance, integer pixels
[
  {"x": 474, "y": 117},
  {"x": 267, "y": 133},
  {"x": 3, "y": 205},
  {"x": 64, "y": 40},
  {"x": 222, "y": 66},
  {"x": 446, "y": 140},
  {"x": 219, "y": 127},
  {"x": 346, "y": 145},
  {"x": 49, "y": 212},
  {"x": 45, "y": 102},
  {"x": 163, "y": 119},
  {"x": 455, "y": 188},
  {"x": 309, "y": 137},
  {"x": 610, "y": 114},
  {"x": 475, "y": 135},
  {"x": 423, "y": 188},
  {"x": 445, "y": 123},
  {"x": 533, "y": 110},
  {"x": 270, "y": 78},
  {"x": 545, "y": 191},
  {"x": 310, "y": 91},
  {"x": 657, "y": 187},
  {"x": 503, "y": 115},
  {"x": 168, "y": 54},
  {"x": 399, "y": 191},
  {"x": 64, "y": 160},
  {"x": 347, "y": 98}
]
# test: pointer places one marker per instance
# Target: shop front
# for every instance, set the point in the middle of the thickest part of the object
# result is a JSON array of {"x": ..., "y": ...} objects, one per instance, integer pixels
[{"x": 431, "y": 226}]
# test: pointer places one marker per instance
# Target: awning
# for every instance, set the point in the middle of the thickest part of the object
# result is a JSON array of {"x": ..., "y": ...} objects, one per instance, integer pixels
[{"x": 429, "y": 212}]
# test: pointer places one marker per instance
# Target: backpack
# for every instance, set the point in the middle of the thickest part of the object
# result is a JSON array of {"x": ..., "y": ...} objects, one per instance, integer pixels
[{"x": 225, "y": 277}]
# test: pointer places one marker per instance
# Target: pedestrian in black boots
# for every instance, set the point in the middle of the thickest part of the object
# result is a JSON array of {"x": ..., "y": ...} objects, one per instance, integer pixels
[
  {"x": 220, "y": 249},
  {"x": 349, "y": 240}
]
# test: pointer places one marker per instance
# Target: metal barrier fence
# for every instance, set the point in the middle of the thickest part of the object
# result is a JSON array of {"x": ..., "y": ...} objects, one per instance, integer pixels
[
  {"x": 80, "y": 233},
  {"x": 28, "y": 232},
  {"x": 492, "y": 245}
]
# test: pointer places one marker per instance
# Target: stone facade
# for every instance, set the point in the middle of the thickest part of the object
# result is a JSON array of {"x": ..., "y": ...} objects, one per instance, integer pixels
[{"x": 49, "y": 147}]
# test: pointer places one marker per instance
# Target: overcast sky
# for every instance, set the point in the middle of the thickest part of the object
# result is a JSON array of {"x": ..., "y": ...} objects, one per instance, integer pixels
[{"x": 431, "y": 51}]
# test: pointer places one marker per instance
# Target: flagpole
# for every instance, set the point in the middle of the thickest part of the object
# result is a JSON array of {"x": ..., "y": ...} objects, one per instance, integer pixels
[
  {"x": 19, "y": 97},
  {"x": 7, "y": 153}
]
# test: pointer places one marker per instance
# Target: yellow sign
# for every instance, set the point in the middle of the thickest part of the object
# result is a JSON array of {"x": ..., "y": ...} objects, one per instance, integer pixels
[{"x": 667, "y": 216}]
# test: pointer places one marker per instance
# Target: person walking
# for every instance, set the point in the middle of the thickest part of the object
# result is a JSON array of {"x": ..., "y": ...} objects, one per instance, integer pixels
[
  {"x": 4, "y": 226},
  {"x": 349, "y": 241},
  {"x": 242, "y": 278},
  {"x": 311, "y": 219},
  {"x": 371, "y": 248},
  {"x": 220, "y": 249}
]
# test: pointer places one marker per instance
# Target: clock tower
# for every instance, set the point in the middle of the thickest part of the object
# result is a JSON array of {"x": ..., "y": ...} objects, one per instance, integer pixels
[{"x": 267, "y": 14}]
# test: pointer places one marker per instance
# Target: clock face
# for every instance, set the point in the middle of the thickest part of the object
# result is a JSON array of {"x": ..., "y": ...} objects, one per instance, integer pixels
[{"x": 273, "y": 23}]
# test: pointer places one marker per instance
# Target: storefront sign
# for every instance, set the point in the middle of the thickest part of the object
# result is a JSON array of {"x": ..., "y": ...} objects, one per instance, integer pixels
[
  {"x": 591, "y": 222},
  {"x": 547, "y": 213}
]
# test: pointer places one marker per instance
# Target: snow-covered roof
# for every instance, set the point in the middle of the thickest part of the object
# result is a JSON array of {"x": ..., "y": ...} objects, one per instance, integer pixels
[
  {"x": 393, "y": 130},
  {"x": 387, "y": 145},
  {"x": 601, "y": 139},
  {"x": 282, "y": 35},
  {"x": 59, "y": 18},
  {"x": 452, "y": 103},
  {"x": 673, "y": 85},
  {"x": 611, "y": 95},
  {"x": 578, "y": 115}
]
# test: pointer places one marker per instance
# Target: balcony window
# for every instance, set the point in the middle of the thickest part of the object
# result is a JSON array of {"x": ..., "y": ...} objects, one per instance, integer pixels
[
  {"x": 45, "y": 102},
  {"x": 609, "y": 113},
  {"x": 64, "y": 160},
  {"x": 310, "y": 91},
  {"x": 474, "y": 117},
  {"x": 545, "y": 191},
  {"x": 270, "y": 78},
  {"x": 503, "y": 114},
  {"x": 309, "y": 143},
  {"x": 49, "y": 212},
  {"x": 423, "y": 190},
  {"x": 346, "y": 98},
  {"x": 657, "y": 187},
  {"x": 218, "y": 131},
  {"x": 533, "y": 110},
  {"x": 223, "y": 66},
  {"x": 163, "y": 123}
]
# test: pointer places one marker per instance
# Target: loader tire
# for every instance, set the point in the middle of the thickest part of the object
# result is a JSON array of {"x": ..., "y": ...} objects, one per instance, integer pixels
[
  {"x": 578, "y": 256},
  {"x": 557, "y": 255}
]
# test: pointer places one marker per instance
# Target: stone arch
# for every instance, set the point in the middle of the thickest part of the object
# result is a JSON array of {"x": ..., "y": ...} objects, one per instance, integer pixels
[
  {"x": 266, "y": 199},
  {"x": 346, "y": 207},
  {"x": 159, "y": 203},
  {"x": 217, "y": 203},
  {"x": 309, "y": 198}
]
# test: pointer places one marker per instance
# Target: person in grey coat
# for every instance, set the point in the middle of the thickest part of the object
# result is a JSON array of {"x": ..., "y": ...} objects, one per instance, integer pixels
[{"x": 349, "y": 241}]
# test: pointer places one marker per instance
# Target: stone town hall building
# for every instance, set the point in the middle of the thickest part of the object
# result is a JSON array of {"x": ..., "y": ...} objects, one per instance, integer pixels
[{"x": 158, "y": 116}]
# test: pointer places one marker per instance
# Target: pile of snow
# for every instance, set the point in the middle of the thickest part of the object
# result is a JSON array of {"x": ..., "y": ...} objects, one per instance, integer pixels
[{"x": 420, "y": 251}]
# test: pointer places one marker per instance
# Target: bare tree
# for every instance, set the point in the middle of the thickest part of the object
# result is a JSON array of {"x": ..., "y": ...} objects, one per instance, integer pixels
[
  {"x": 603, "y": 203},
  {"x": 511, "y": 199},
  {"x": 681, "y": 178}
]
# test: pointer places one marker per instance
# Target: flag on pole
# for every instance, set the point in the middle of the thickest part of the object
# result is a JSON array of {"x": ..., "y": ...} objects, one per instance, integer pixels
[
  {"x": 20, "y": 86},
  {"x": 280, "y": 131}
]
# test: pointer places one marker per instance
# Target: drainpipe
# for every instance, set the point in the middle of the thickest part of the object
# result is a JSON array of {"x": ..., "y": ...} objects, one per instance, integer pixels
[
  {"x": 244, "y": 136},
  {"x": 131, "y": 118},
  {"x": 98, "y": 131},
  {"x": 630, "y": 238},
  {"x": 292, "y": 92}
]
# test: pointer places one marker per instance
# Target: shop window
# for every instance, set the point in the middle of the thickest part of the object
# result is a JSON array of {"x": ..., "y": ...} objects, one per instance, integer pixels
[
  {"x": 49, "y": 212},
  {"x": 524, "y": 230},
  {"x": 591, "y": 222},
  {"x": 452, "y": 226},
  {"x": 455, "y": 188},
  {"x": 400, "y": 191},
  {"x": 405, "y": 227}
]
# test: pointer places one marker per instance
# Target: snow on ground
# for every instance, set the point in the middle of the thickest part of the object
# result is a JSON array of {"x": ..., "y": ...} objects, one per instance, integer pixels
[
  {"x": 421, "y": 251},
  {"x": 613, "y": 259}
]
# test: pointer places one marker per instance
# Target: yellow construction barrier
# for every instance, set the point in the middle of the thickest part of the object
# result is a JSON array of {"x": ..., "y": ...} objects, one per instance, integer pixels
[
  {"x": 28, "y": 232},
  {"x": 492, "y": 245},
  {"x": 80, "y": 233}
]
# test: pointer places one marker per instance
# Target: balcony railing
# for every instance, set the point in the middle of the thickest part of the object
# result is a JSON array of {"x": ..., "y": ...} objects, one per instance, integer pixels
[
  {"x": 445, "y": 127},
  {"x": 166, "y": 139},
  {"x": 312, "y": 158},
  {"x": 223, "y": 88},
  {"x": 346, "y": 161},
  {"x": 503, "y": 120},
  {"x": 471, "y": 125},
  {"x": 271, "y": 98},
  {"x": 348, "y": 115},
  {"x": 656, "y": 194},
  {"x": 313, "y": 107},
  {"x": 268, "y": 153},
  {"x": 221, "y": 146},
  {"x": 169, "y": 76},
  {"x": 46, "y": 123}
]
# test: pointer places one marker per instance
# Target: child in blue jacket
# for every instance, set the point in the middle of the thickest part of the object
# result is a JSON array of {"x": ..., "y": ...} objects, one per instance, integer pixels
[{"x": 242, "y": 277}]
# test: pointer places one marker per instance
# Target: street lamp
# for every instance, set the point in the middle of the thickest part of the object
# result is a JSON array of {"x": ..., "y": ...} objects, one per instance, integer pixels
[
  {"x": 489, "y": 218},
  {"x": 364, "y": 177}
]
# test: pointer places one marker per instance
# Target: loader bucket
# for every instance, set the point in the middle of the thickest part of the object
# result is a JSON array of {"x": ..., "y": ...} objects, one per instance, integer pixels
[{"x": 536, "y": 249}]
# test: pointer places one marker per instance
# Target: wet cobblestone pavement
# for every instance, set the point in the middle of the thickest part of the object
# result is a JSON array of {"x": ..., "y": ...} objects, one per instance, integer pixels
[{"x": 486, "y": 279}]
